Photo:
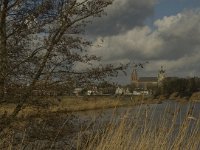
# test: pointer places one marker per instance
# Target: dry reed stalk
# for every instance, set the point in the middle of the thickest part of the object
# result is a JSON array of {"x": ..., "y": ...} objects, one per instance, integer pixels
[{"x": 145, "y": 135}]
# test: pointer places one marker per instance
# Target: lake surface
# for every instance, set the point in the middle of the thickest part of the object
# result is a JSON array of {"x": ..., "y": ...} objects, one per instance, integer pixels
[
  {"x": 155, "y": 112},
  {"x": 156, "y": 109}
]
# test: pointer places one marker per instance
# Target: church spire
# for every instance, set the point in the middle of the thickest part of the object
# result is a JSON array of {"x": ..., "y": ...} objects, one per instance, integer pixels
[
  {"x": 161, "y": 76},
  {"x": 134, "y": 76},
  {"x": 162, "y": 71}
]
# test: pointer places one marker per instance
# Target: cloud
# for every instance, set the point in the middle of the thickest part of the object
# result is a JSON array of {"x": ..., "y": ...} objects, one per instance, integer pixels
[
  {"x": 174, "y": 43},
  {"x": 122, "y": 15},
  {"x": 180, "y": 33},
  {"x": 185, "y": 66},
  {"x": 138, "y": 42}
]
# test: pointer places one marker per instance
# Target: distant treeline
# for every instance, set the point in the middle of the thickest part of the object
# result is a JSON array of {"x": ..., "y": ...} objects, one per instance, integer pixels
[{"x": 183, "y": 86}]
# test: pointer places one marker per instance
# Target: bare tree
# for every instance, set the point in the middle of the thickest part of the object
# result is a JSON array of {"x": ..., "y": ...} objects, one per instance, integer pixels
[{"x": 41, "y": 41}]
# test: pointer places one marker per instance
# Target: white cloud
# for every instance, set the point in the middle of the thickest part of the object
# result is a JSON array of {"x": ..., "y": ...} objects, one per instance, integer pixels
[
  {"x": 174, "y": 43},
  {"x": 138, "y": 41},
  {"x": 168, "y": 22}
]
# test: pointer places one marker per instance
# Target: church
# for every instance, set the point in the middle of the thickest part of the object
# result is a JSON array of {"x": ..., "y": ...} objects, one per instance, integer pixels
[{"x": 146, "y": 82}]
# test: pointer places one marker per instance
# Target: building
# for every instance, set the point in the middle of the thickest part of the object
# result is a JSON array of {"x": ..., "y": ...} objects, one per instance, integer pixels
[
  {"x": 161, "y": 76},
  {"x": 77, "y": 91},
  {"x": 146, "y": 82}
]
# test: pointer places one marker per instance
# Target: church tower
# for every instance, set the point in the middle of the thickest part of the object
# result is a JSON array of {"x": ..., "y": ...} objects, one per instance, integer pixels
[
  {"x": 161, "y": 76},
  {"x": 134, "y": 77}
]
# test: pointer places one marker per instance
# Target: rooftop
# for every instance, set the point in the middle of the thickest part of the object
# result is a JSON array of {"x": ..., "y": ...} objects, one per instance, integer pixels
[{"x": 148, "y": 79}]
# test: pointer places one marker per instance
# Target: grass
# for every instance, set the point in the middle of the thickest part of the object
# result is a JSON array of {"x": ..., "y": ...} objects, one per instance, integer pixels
[{"x": 73, "y": 104}]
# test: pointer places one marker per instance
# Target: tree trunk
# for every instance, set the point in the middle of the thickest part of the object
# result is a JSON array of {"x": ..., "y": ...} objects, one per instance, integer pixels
[{"x": 3, "y": 51}]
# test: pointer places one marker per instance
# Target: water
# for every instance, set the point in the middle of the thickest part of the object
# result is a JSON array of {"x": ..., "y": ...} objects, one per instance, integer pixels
[
  {"x": 155, "y": 110},
  {"x": 169, "y": 114}
]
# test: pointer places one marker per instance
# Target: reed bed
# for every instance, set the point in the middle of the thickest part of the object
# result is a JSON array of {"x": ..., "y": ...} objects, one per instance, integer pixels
[
  {"x": 135, "y": 129},
  {"x": 73, "y": 104},
  {"x": 145, "y": 132}
]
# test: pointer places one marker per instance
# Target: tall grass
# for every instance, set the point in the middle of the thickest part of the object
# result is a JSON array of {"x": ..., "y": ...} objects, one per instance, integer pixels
[
  {"x": 146, "y": 132},
  {"x": 143, "y": 128},
  {"x": 72, "y": 104}
]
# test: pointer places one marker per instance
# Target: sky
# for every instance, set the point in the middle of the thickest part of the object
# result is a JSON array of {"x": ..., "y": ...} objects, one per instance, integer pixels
[{"x": 162, "y": 32}]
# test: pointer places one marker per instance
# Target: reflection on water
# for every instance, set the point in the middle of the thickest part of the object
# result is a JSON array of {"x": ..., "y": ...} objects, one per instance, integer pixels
[
  {"x": 169, "y": 119},
  {"x": 155, "y": 112}
]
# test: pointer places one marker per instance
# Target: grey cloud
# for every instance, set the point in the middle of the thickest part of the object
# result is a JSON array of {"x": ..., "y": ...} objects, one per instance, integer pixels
[
  {"x": 174, "y": 43},
  {"x": 185, "y": 66},
  {"x": 122, "y": 15}
]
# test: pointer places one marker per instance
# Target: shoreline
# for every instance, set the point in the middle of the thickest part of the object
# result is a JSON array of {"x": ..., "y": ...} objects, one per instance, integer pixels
[{"x": 74, "y": 104}]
